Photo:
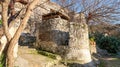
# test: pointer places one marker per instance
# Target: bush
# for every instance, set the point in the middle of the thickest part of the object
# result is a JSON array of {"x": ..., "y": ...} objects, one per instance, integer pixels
[
  {"x": 2, "y": 60},
  {"x": 0, "y": 22},
  {"x": 110, "y": 43}
]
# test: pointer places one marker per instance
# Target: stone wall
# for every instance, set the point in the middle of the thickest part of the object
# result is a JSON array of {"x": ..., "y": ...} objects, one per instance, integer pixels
[
  {"x": 79, "y": 42},
  {"x": 44, "y": 7},
  {"x": 79, "y": 50},
  {"x": 53, "y": 35}
]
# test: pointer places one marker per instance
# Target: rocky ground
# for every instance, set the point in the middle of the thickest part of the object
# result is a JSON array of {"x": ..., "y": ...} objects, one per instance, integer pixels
[{"x": 28, "y": 57}]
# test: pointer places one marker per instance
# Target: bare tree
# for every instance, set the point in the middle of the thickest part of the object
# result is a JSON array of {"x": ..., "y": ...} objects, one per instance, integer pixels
[
  {"x": 95, "y": 10},
  {"x": 11, "y": 41}
]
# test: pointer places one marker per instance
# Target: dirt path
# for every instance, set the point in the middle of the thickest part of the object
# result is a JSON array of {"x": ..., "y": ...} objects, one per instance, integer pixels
[
  {"x": 111, "y": 61},
  {"x": 28, "y": 57}
]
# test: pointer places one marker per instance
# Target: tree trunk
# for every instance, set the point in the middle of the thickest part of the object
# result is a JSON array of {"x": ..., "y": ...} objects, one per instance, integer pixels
[
  {"x": 3, "y": 41},
  {"x": 79, "y": 43},
  {"x": 14, "y": 40},
  {"x": 9, "y": 32},
  {"x": 5, "y": 20}
]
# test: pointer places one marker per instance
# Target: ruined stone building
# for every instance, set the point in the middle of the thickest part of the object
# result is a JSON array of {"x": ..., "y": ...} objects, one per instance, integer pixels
[
  {"x": 53, "y": 30},
  {"x": 47, "y": 14},
  {"x": 69, "y": 39}
]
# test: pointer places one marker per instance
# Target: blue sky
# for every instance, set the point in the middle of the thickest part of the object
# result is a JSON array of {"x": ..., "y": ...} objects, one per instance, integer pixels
[{"x": 105, "y": 2}]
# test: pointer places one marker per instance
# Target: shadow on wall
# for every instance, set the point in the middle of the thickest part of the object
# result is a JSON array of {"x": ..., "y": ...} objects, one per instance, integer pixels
[
  {"x": 54, "y": 41},
  {"x": 52, "y": 35},
  {"x": 60, "y": 37},
  {"x": 26, "y": 39},
  {"x": 55, "y": 30}
]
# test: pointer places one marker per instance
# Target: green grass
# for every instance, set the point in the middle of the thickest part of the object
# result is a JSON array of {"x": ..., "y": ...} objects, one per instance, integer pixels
[
  {"x": 2, "y": 60},
  {"x": 48, "y": 54},
  {"x": 0, "y": 22},
  {"x": 33, "y": 52},
  {"x": 102, "y": 63},
  {"x": 45, "y": 53}
]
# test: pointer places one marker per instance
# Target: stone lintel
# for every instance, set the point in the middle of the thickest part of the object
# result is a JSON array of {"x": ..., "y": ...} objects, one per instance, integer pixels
[{"x": 55, "y": 14}]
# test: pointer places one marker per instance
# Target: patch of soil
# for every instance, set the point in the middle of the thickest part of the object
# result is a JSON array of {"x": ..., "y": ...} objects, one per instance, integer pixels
[{"x": 28, "y": 57}]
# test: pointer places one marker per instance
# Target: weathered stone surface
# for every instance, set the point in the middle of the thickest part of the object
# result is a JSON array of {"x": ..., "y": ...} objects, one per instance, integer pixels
[
  {"x": 78, "y": 39},
  {"x": 55, "y": 14},
  {"x": 93, "y": 47},
  {"x": 26, "y": 39},
  {"x": 52, "y": 33},
  {"x": 44, "y": 7},
  {"x": 79, "y": 43}
]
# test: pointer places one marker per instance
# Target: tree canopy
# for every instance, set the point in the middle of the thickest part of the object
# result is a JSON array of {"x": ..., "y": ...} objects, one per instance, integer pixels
[{"x": 95, "y": 10}]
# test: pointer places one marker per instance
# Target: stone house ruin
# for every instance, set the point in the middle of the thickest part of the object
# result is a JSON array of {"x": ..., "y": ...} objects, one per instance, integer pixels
[
  {"x": 53, "y": 32},
  {"x": 57, "y": 35},
  {"x": 43, "y": 8}
]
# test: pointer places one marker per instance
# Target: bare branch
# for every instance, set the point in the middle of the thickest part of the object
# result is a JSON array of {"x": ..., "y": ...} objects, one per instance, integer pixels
[
  {"x": 14, "y": 40},
  {"x": 4, "y": 19},
  {"x": 96, "y": 10}
]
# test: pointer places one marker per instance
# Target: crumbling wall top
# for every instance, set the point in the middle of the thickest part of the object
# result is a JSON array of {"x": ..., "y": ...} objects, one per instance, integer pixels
[{"x": 55, "y": 14}]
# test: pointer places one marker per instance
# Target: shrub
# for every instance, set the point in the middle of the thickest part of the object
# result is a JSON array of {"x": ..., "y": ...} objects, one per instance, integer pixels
[
  {"x": 110, "y": 43},
  {"x": 2, "y": 60},
  {"x": 0, "y": 22}
]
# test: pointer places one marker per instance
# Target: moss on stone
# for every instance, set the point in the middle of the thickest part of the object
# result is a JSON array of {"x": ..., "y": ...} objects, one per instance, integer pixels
[{"x": 48, "y": 54}]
